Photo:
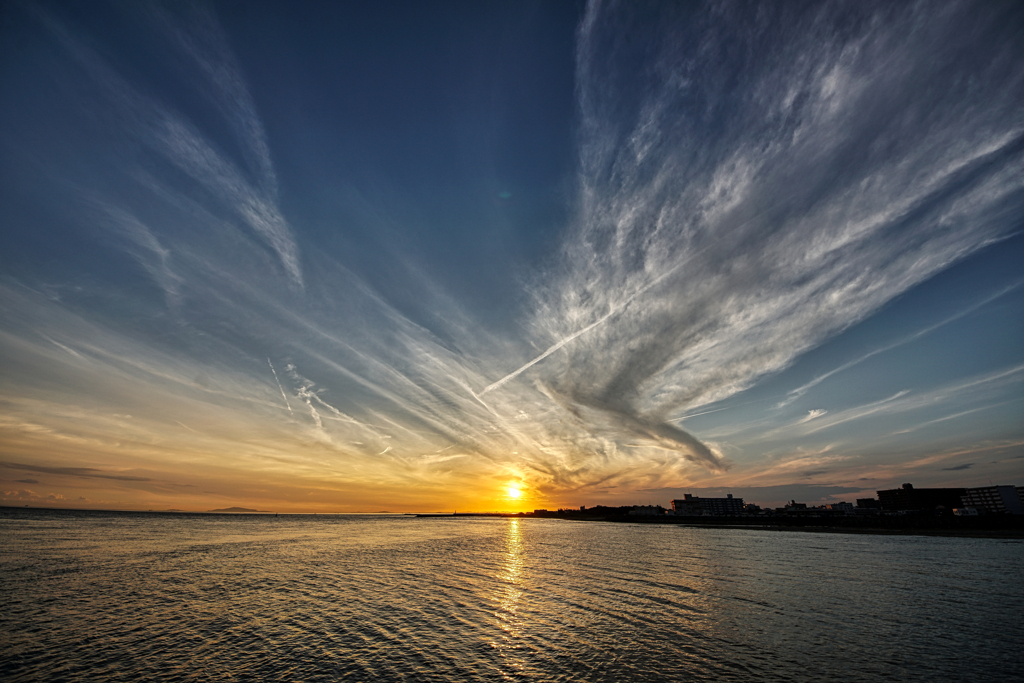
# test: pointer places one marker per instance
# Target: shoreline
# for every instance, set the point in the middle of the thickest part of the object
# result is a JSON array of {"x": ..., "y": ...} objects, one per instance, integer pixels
[
  {"x": 1005, "y": 528},
  {"x": 996, "y": 527},
  {"x": 1009, "y": 534}
]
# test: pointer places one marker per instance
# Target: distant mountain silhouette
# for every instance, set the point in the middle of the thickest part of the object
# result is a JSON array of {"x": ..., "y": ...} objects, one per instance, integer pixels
[{"x": 237, "y": 510}]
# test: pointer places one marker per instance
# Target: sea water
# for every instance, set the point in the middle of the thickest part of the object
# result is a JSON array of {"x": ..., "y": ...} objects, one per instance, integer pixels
[{"x": 89, "y": 596}]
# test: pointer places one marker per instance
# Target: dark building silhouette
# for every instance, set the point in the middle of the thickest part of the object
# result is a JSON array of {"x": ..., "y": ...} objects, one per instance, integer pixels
[
  {"x": 869, "y": 504},
  {"x": 694, "y": 505},
  {"x": 994, "y": 499},
  {"x": 924, "y": 500}
]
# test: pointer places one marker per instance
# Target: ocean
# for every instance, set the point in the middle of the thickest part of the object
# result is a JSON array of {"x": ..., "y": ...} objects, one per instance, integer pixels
[{"x": 108, "y": 596}]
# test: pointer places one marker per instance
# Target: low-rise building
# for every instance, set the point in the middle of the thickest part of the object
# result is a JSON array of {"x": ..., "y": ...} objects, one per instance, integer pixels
[
  {"x": 694, "y": 505},
  {"x": 994, "y": 499},
  {"x": 647, "y": 510},
  {"x": 907, "y": 498}
]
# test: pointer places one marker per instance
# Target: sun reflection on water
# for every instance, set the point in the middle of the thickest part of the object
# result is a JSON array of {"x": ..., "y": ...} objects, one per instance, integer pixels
[{"x": 508, "y": 595}]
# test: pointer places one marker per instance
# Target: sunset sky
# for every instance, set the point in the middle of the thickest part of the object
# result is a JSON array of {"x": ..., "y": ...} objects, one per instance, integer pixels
[{"x": 332, "y": 257}]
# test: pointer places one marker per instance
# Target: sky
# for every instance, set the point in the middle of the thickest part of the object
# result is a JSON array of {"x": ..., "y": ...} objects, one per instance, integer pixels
[{"x": 339, "y": 257}]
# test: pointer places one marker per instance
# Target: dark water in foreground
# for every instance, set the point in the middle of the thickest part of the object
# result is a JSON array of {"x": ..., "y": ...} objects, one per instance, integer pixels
[{"x": 117, "y": 596}]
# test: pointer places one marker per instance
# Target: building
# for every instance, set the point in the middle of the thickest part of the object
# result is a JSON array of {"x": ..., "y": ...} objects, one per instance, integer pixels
[
  {"x": 647, "y": 510},
  {"x": 844, "y": 507},
  {"x": 908, "y": 498},
  {"x": 869, "y": 504},
  {"x": 994, "y": 499},
  {"x": 694, "y": 505}
]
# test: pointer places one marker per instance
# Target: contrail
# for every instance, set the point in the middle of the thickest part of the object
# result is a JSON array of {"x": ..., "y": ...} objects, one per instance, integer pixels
[
  {"x": 59, "y": 345},
  {"x": 547, "y": 353},
  {"x": 574, "y": 335},
  {"x": 341, "y": 416},
  {"x": 716, "y": 410},
  {"x": 800, "y": 391},
  {"x": 283, "y": 395}
]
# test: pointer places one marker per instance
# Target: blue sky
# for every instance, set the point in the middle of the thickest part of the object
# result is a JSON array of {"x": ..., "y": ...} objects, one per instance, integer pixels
[{"x": 397, "y": 256}]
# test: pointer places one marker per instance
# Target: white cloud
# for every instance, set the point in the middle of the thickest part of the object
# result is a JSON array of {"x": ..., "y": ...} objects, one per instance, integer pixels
[
  {"x": 812, "y": 414},
  {"x": 730, "y": 216},
  {"x": 715, "y": 257}
]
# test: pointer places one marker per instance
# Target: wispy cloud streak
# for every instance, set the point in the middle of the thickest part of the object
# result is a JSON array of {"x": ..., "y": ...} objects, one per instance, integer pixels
[
  {"x": 180, "y": 141},
  {"x": 283, "y": 395},
  {"x": 833, "y": 184},
  {"x": 748, "y": 185},
  {"x": 803, "y": 389}
]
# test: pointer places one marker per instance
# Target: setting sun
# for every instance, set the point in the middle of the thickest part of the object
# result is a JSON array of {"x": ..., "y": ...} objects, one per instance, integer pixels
[{"x": 514, "y": 492}]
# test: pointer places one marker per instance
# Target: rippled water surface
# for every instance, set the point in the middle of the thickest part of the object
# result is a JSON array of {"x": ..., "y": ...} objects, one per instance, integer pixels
[{"x": 122, "y": 596}]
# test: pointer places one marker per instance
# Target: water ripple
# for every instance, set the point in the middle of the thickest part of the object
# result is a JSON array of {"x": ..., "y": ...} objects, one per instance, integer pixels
[{"x": 126, "y": 597}]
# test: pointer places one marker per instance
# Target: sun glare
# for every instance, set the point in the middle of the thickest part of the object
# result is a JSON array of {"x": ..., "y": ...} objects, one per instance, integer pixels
[{"x": 513, "y": 492}]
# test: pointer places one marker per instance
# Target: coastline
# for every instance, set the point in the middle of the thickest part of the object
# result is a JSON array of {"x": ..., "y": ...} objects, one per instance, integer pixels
[
  {"x": 1008, "y": 528},
  {"x": 1007, "y": 534},
  {"x": 1001, "y": 527}
]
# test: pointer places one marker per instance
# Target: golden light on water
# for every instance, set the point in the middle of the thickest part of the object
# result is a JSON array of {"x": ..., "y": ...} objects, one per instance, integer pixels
[{"x": 507, "y": 598}]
